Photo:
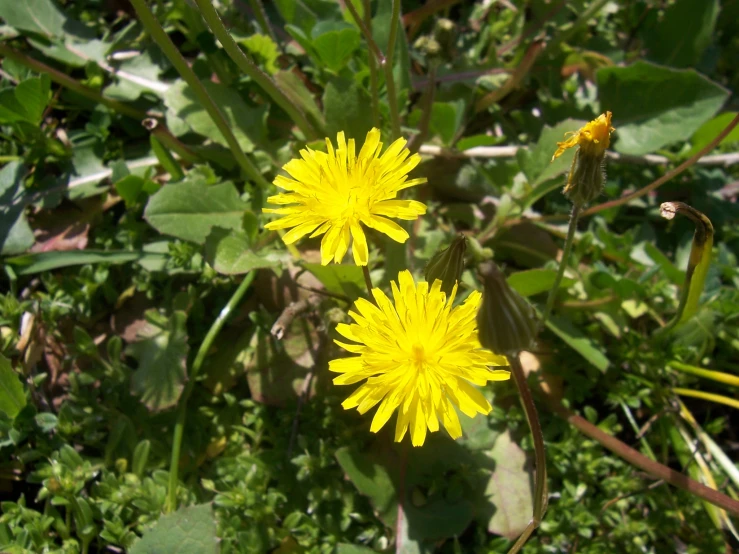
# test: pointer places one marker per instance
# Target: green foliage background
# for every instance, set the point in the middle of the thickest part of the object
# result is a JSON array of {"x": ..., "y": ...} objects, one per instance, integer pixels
[{"x": 122, "y": 242}]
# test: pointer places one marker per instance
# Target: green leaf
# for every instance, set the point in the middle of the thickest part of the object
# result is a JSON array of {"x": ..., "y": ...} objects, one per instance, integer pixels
[
  {"x": 710, "y": 129},
  {"x": 136, "y": 76},
  {"x": 509, "y": 489},
  {"x": 162, "y": 358},
  {"x": 381, "y": 34},
  {"x": 336, "y": 47},
  {"x": 536, "y": 281},
  {"x": 12, "y": 396},
  {"x": 339, "y": 278},
  {"x": 344, "y": 548},
  {"x": 42, "y": 17},
  {"x": 299, "y": 95},
  {"x": 16, "y": 235},
  {"x": 26, "y": 102},
  {"x": 578, "y": 342},
  {"x": 189, "y": 210},
  {"x": 346, "y": 109},
  {"x": 249, "y": 124},
  {"x": 231, "y": 253},
  {"x": 683, "y": 35},
  {"x": 29, "y": 264},
  {"x": 536, "y": 161},
  {"x": 654, "y": 106},
  {"x": 264, "y": 51},
  {"x": 187, "y": 531}
]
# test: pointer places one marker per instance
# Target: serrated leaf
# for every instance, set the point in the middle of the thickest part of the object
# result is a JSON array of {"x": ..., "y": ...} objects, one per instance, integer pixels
[
  {"x": 162, "y": 359},
  {"x": 12, "y": 396},
  {"x": 655, "y": 106},
  {"x": 187, "y": 531},
  {"x": 231, "y": 253},
  {"x": 189, "y": 210},
  {"x": 247, "y": 123}
]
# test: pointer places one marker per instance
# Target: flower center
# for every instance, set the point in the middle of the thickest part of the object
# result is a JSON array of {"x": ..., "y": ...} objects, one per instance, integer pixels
[{"x": 419, "y": 356}]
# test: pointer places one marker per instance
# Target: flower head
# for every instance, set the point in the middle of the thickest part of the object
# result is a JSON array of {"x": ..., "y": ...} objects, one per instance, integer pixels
[
  {"x": 586, "y": 177},
  {"x": 594, "y": 138},
  {"x": 419, "y": 355},
  {"x": 335, "y": 192}
]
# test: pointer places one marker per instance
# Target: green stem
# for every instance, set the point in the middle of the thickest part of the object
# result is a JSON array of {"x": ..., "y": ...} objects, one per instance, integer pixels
[
  {"x": 365, "y": 29},
  {"x": 582, "y": 19},
  {"x": 718, "y": 376},
  {"x": 261, "y": 16},
  {"x": 562, "y": 263},
  {"x": 197, "y": 364},
  {"x": 427, "y": 104},
  {"x": 368, "y": 283},
  {"x": 372, "y": 62},
  {"x": 718, "y": 398},
  {"x": 387, "y": 67},
  {"x": 73, "y": 85},
  {"x": 540, "y": 487},
  {"x": 156, "y": 31},
  {"x": 246, "y": 65}
]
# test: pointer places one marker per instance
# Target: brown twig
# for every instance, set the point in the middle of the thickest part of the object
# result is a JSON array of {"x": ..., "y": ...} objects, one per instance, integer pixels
[{"x": 291, "y": 312}]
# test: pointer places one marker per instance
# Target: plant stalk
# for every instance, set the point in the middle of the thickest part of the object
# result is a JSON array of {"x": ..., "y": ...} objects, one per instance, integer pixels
[
  {"x": 562, "y": 263},
  {"x": 540, "y": 487},
  {"x": 372, "y": 62},
  {"x": 709, "y": 396},
  {"x": 246, "y": 65},
  {"x": 719, "y": 376},
  {"x": 155, "y": 30},
  {"x": 197, "y": 364},
  {"x": 387, "y": 66},
  {"x": 368, "y": 282}
]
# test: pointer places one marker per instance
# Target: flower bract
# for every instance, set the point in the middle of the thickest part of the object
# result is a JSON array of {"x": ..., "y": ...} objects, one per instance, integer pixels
[
  {"x": 420, "y": 356},
  {"x": 594, "y": 138},
  {"x": 338, "y": 191}
]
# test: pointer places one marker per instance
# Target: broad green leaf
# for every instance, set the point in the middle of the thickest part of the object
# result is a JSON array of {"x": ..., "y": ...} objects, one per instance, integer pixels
[
  {"x": 536, "y": 161},
  {"x": 346, "y": 108},
  {"x": 346, "y": 279},
  {"x": 509, "y": 490},
  {"x": 12, "y": 396},
  {"x": 136, "y": 76},
  {"x": 231, "y": 253},
  {"x": 654, "y": 106},
  {"x": 710, "y": 129},
  {"x": 578, "y": 342},
  {"x": 189, "y": 210},
  {"x": 16, "y": 235},
  {"x": 445, "y": 121},
  {"x": 336, "y": 47},
  {"x": 674, "y": 274},
  {"x": 686, "y": 30},
  {"x": 247, "y": 123},
  {"x": 29, "y": 264},
  {"x": 162, "y": 359},
  {"x": 42, "y": 17},
  {"x": 131, "y": 186},
  {"x": 187, "y": 531},
  {"x": 25, "y": 102},
  {"x": 536, "y": 281}
]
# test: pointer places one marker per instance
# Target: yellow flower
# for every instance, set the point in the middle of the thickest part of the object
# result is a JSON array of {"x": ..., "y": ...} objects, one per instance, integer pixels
[
  {"x": 420, "y": 356},
  {"x": 594, "y": 138},
  {"x": 334, "y": 192}
]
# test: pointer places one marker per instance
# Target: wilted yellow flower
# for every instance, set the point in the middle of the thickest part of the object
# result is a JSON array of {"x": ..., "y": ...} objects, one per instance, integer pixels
[
  {"x": 334, "y": 192},
  {"x": 594, "y": 138},
  {"x": 587, "y": 174},
  {"x": 420, "y": 355}
]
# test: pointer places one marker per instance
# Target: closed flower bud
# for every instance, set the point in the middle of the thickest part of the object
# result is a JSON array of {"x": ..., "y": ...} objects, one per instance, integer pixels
[
  {"x": 447, "y": 265},
  {"x": 587, "y": 174},
  {"x": 506, "y": 321}
]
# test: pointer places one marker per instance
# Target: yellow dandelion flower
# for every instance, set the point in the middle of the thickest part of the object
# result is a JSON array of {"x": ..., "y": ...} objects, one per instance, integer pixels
[
  {"x": 594, "y": 138},
  {"x": 334, "y": 192},
  {"x": 420, "y": 356}
]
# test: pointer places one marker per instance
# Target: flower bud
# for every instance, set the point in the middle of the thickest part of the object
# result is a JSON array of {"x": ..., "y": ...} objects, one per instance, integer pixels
[
  {"x": 447, "y": 265},
  {"x": 506, "y": 322}
]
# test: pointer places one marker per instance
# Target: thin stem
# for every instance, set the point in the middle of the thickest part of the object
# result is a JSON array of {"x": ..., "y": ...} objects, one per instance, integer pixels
[
  {"x": 427, "y": 105},
  {"x": 532, "y": 416},
  {"x": 70, "y": 83},
  {"x": 387, "y": 67},
  {"x": 581, "y": 20},
  {"x": 667, "y": 176},
  {"x": 636, "y": 458},
  {"x": 372, "y": 62},
  {"x": 365, "y": 29},
  {"x": 246, "y": 65},
  {"x": 562, "y": 263},
  {"x": 258, "y": 8},
  {"x": 717, "y": 398},
  {"x": 197, "y": 364},
  {"x": 399, "y": 522},
  {"x": 157, "y": 33},
  {"x": 368, "y": 282},
  {"x": 718, "y": 376}
]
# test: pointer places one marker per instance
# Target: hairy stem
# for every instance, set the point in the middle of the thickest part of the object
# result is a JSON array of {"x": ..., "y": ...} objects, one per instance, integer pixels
[
  {"x": 562, "y": 263},
  {"x": 540, "y": 487},
  {"x": 246, "y": 65},
  {"x": 155, "y": 30},
  {"x": 197, "y": 364}
]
